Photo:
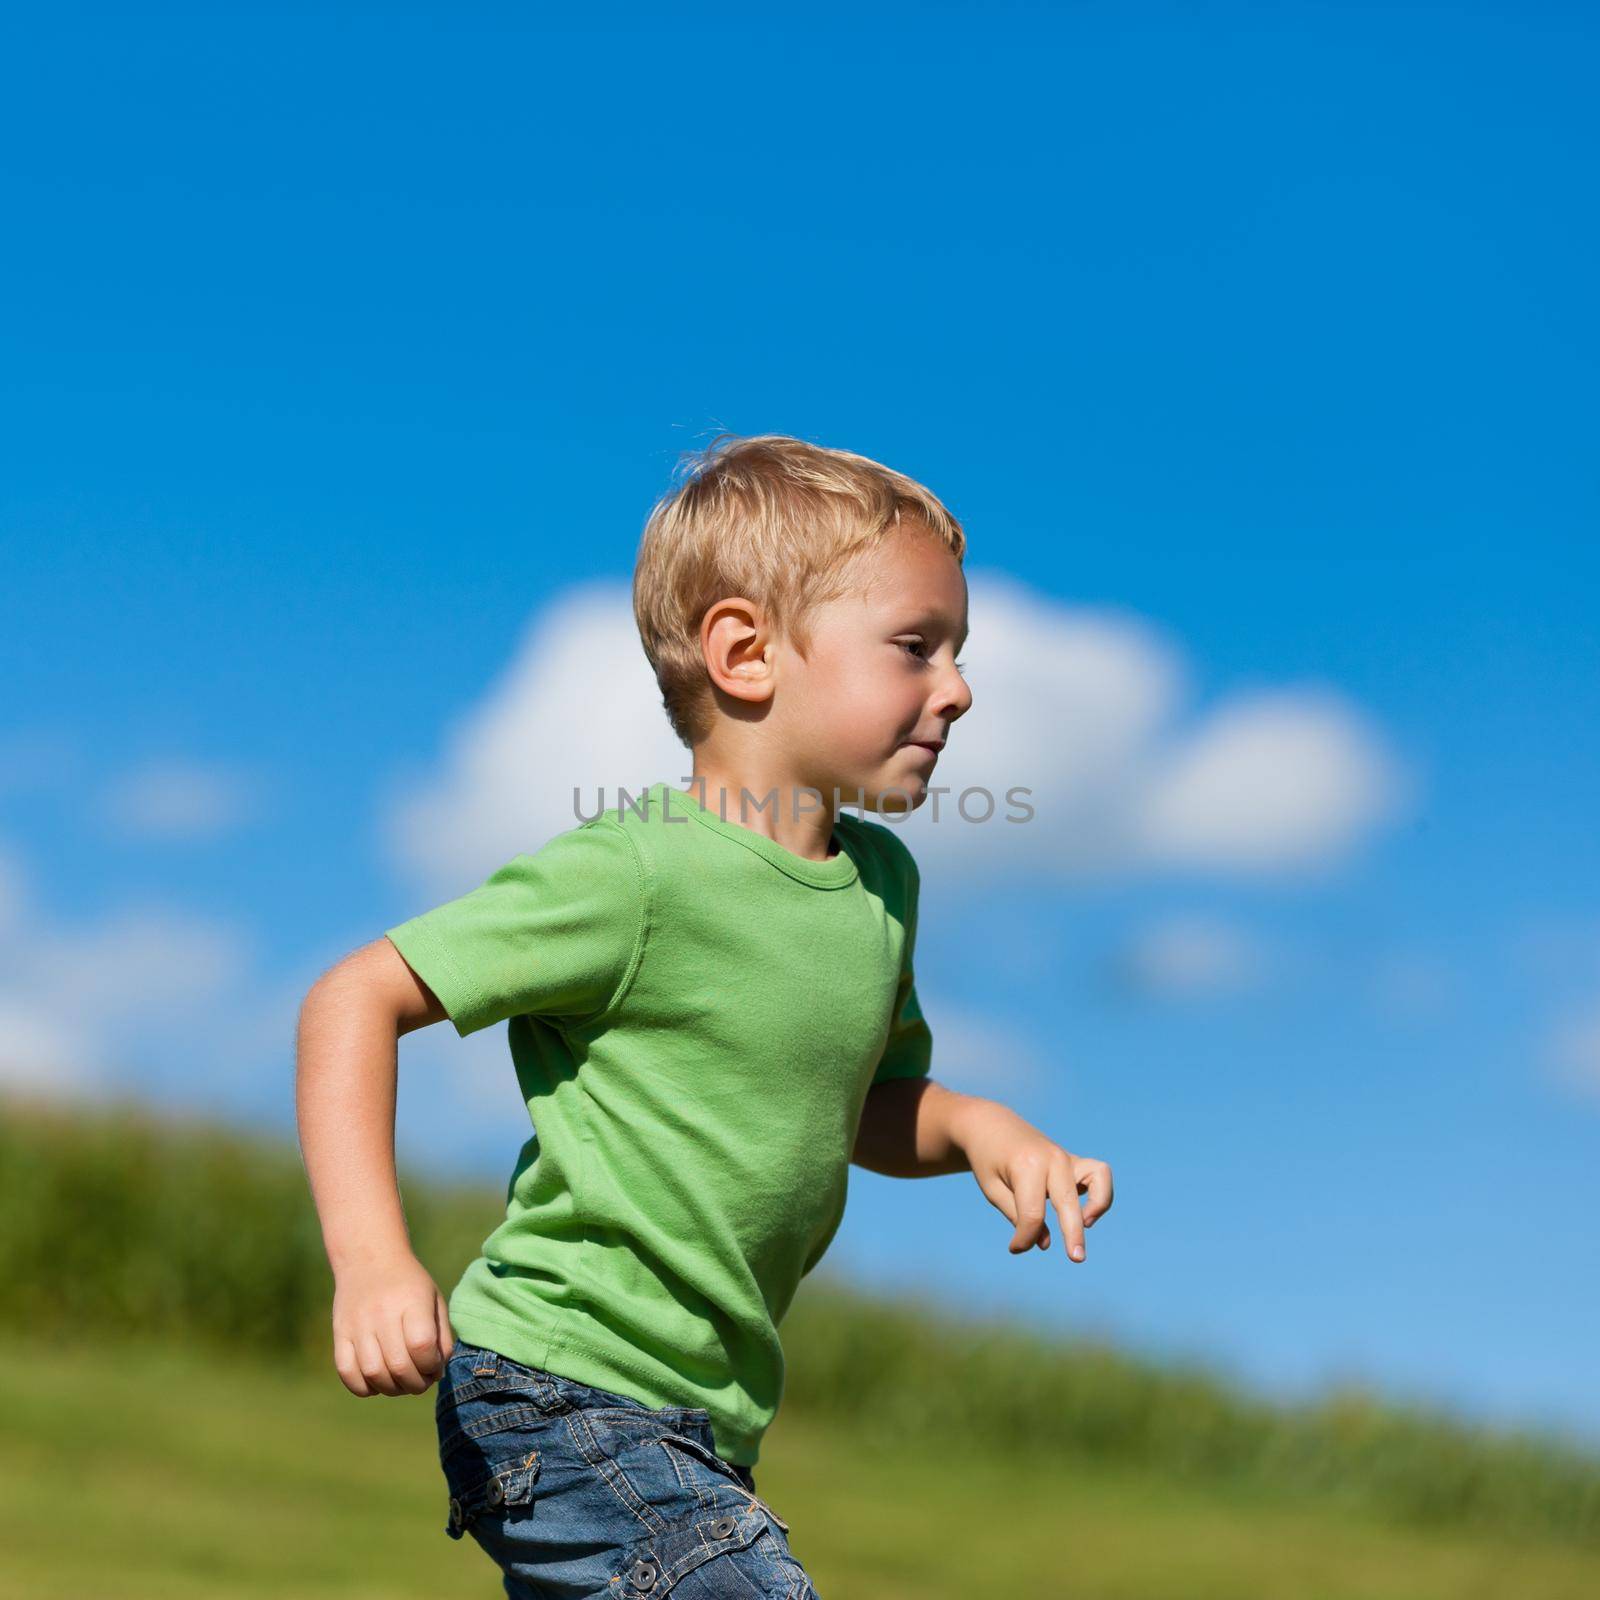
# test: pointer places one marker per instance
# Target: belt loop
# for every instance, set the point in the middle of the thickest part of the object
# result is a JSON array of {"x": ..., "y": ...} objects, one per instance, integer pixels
[{"x": 486, "y": 1364}]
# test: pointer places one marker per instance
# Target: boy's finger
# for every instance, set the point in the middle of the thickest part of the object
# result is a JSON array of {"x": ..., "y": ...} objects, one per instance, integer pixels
[
  {"x": 398, "y": 1359},
  {"x": 420, "y": 1325},
  {"x": 369, "y": 1357},
  {"x": 344, "y": 1363},
  {"x": 999, "y": 1196},
  {"x": 1098, "y": 1177},
  {"x": 1029, "y": 1187},
  {"x": 1064, "y": 1193}
]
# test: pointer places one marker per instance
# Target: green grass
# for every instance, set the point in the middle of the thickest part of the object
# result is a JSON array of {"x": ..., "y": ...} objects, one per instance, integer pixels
[
  {"x": 172, "y": 1425},
  {"x": 130, "y": 1468}
]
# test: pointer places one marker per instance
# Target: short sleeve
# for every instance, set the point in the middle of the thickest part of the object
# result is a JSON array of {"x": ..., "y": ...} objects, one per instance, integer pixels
[
  {"x": 909, "y": 1050},
  {"x": 552, "y": 933}
]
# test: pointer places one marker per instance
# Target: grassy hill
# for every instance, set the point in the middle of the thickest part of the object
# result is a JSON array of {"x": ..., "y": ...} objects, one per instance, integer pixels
[{"x": 171, "y": 1425}]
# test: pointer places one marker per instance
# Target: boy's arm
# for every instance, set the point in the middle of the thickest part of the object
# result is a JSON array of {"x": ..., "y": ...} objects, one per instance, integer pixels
[
  {"x": 391, "y": 1329},
  {"x": 905, "y": 1129},
  {"x": 912, "y": 1127}
]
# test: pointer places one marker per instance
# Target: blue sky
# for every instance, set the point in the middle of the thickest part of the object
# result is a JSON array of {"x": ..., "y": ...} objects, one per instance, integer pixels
[{"x": 345, "y": 351}]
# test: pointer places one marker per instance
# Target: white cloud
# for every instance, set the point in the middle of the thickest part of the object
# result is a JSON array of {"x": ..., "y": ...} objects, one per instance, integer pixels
[
  {"x": 180, "y": 799},
  {"x": 1189, "y": 955},
  {"x": 577, "y": 706},
  {"x": 1279, "y": 780},
  {"x": 117, "y": 998},
  {"x": 1083, "y": 706},
  {"x": 1574, "y": 1052},
  {"x": 39, "y": 1051},
  {"x": 978, "y": 1053},
  {"x": 134, "y": 965},
  {"x": 1080, "y": 706},
  {"x": 174, "y": 1007}
]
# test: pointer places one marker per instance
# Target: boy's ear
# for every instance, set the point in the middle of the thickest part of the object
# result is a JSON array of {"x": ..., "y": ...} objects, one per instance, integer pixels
[{"x": 736, "y": 643}]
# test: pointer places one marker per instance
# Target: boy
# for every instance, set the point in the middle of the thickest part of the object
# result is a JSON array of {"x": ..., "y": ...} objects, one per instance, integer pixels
[{"x": 711, "y": 1010}]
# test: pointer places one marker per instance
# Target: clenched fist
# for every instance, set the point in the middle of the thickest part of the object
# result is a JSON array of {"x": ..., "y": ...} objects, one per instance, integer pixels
[{"x": 391, "y": 1329}]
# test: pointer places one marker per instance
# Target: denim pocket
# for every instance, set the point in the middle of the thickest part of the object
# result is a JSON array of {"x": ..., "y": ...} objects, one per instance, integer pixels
[
  {"x": 702, "y": 1452},
  {"x": 488, "y": 1466},
  {"x": 656, "y": 1566},
  {"x": 473, "y": 1374},
  {"x": 493, "y": 1420}
]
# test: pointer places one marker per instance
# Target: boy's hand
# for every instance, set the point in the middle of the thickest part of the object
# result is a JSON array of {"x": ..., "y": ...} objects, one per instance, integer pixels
[
  {"x": 1018, "y": 1168},
  {"x": 391, "y": 1329}
]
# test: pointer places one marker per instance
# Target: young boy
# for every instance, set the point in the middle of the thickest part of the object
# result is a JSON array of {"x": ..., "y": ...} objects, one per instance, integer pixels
[{"x": 711, "y": 1010}]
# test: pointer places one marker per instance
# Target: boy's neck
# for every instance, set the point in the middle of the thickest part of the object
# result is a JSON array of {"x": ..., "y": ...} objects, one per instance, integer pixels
[{"x": 776, "y": 805}]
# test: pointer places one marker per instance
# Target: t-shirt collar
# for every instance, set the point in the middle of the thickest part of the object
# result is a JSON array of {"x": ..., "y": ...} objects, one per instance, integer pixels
[{"x": 837, "y": 872}]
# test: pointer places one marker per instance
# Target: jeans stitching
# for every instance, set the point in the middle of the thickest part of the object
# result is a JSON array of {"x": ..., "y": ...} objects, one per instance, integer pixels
[
  {"x": 589, "y": 1437},
  {"x": 613, "y": 1475},
  {"x": 686, "y": 1479}
]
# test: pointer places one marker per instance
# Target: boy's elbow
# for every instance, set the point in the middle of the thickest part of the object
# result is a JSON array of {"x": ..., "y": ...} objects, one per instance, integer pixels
[
  {"x": 376, "y": 980},
  {"x": 332, "y": 980},
  {"x": 364, "y": 978}
]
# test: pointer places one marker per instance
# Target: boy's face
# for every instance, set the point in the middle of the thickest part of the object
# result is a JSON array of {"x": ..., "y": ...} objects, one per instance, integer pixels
[{"x": 880, "y": 673}]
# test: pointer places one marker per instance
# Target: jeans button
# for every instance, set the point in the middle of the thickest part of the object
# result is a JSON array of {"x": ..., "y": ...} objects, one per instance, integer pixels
[
  {"x": 644, "y": 1573},
  {"x": 723, "y": 1526},
  {"x": 455, "y": 1512}
]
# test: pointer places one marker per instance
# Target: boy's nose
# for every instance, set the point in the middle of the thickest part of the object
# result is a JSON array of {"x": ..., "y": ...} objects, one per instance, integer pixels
[{"x": 955, "y": 697}]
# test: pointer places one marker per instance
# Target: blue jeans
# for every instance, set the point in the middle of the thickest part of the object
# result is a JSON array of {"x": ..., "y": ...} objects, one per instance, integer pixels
[{"x": 576, "y": 1492}]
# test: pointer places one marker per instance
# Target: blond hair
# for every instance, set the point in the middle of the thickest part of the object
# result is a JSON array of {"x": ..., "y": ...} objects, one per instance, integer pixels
[{"x": 774, "y": 519}]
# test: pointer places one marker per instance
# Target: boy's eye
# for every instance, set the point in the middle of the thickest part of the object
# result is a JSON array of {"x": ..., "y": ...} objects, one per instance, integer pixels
[{"x": 918, "y": 648}]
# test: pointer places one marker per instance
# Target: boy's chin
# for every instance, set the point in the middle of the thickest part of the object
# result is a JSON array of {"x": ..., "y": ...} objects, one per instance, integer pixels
[{"x": 898, "y": 797}]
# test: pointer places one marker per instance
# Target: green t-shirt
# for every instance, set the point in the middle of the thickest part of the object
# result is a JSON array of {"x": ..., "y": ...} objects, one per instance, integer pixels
[{"x": 696, "y": 1016}]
